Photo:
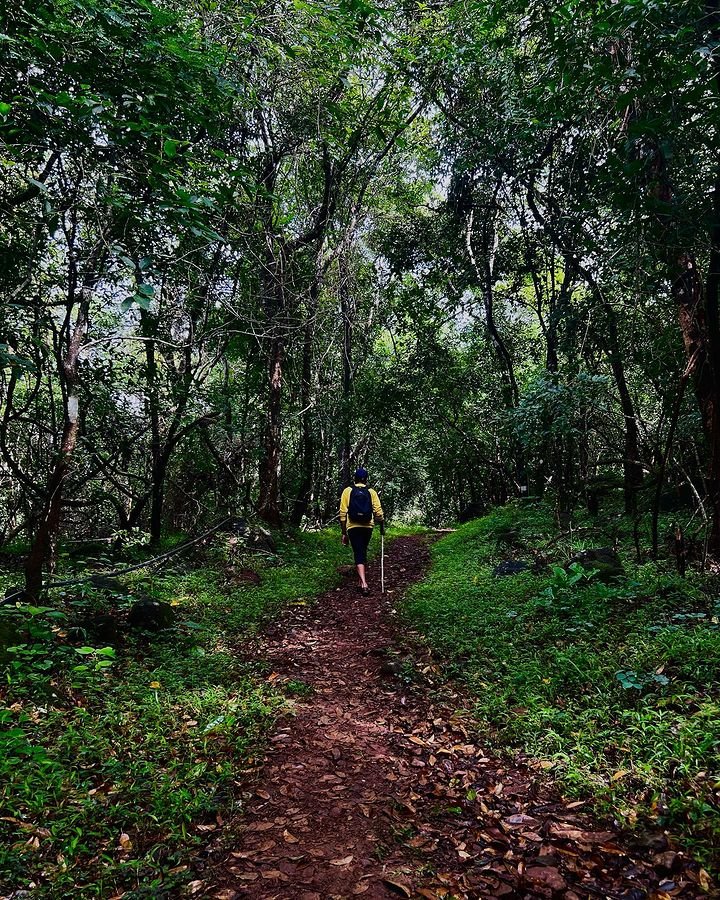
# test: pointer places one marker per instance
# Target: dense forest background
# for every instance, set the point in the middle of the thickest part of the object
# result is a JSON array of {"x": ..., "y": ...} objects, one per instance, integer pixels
[{"x": 247, "y": 246}]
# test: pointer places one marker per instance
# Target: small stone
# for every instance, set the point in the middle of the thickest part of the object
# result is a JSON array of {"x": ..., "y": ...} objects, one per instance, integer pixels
[
  {"x": 15, "y": 594},
  {"x": 261, "y": 540},
  {"x": 106, "y": 583},
  {"x": 650, "y": 842},
  {"x": 604, "y": 559},
  {"x": 391, "y": 668},
  {"x": 152, "y": 615},
  {"x": 511, "y": 567},
  {"x": 666, "y": 863}
]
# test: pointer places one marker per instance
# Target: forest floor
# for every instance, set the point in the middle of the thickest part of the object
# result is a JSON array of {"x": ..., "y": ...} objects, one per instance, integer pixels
[{"x": 377, "y": 784}]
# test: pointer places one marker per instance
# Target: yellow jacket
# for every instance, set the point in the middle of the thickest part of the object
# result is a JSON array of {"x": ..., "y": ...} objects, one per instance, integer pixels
[{"x": 345, "y": 505}]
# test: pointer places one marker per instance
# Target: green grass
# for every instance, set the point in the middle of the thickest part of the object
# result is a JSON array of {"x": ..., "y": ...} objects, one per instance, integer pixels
[
  {"x": 115, "y": 765},
  {"x": 615, "y": 687}
]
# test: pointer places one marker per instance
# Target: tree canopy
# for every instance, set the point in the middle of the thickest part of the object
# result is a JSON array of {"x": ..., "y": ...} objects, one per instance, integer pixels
[{"x": 247, "y": 247}]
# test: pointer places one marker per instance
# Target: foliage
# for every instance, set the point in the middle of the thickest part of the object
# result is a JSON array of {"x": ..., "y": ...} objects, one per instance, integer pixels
[
  {"x": 243, "y": 249},
  {"x": 117, "y": 762},
  {"x": 612, "y": 686}
]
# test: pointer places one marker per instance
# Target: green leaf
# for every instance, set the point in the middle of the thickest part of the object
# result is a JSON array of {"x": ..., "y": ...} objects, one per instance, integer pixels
[
  {"x": 170, "y": 148},
  {"x": 629, "y": 680}
]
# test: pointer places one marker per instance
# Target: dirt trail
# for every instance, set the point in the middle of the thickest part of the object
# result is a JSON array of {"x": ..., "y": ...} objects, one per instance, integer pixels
[{"x": 376, "y": 788}]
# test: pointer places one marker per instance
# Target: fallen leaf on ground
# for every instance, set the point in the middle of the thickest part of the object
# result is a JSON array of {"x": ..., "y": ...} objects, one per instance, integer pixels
[
  {"x": 546, "y": 876},
  {"x": 566, "y": 832},
  {"x": 343, "y": 861},
  {"x": 265, "y": 846},
  {"x": 260, "y": 826},
  {"x": 398, "y": 886}
]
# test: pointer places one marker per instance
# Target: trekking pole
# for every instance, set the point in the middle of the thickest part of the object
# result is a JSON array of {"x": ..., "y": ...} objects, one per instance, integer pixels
[{"x": 382, "y": 563}]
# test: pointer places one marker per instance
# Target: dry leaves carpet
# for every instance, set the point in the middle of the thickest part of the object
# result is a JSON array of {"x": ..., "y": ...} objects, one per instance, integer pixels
[{"x": 376, "y": 785}]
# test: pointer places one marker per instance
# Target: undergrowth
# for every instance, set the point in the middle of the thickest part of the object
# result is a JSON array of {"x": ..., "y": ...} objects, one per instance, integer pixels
[
  {"x": 118, "y": 760},
  {"x": 613, "y": 686}
]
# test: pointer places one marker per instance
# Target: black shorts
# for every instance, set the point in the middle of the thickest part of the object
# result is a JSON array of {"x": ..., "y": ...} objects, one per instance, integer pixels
[{"x": 359, "y": 539}]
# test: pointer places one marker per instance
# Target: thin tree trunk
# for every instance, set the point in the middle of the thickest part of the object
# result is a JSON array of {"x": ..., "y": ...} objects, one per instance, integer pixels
[
  {"x": 712, "y": 402},
  {"x": 269, "y": 498},
  {"x": 307, "y": 443},
  {"x": 668, "y": 449},
  {"x": 157, "y": 498},
  {"x": 486, "y": 276},
  {"x": 632, "y": 467},
  {"x": 48, "y": 527},
  {"x": 348, "y": 321},
  {"x": 157, "y": 469}
]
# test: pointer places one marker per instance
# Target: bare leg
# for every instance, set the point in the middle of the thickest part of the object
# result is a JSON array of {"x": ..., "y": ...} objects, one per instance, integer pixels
[{"x": 361, "y": 573}]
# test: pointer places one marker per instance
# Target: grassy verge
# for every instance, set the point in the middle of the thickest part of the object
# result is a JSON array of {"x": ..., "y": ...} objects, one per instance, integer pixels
[
  {"x": 613, "y": 686},
  {"x": 116, "y": 762}
]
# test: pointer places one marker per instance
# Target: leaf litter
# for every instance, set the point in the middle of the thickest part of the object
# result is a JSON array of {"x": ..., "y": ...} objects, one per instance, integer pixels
[{"x": 376, "y": 785}]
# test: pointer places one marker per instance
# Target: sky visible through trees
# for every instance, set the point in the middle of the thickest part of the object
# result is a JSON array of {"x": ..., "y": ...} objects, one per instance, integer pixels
[{"x": 247, "y": 247}]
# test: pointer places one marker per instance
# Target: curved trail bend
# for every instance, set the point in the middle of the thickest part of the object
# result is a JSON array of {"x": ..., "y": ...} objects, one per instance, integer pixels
[{"x": 376, "y": 787}]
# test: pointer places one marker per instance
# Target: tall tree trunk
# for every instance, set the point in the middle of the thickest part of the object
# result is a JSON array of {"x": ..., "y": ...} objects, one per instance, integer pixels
[
  {"x": 347, "y": 314},
  {"x": 269, "y": 498},
  {"x": 698, "y": 310},
  {"x": 48, "y": 526},
  {"x": 486, "y": 275},
  {"x": 712, "y": 402},
  {"x": 697, "y": 325},
  {"x": 632, "y": 467},
  {"x": 157, "y": 498},
  {"x": 157, "y": 469},
  {"x": 307, "y": 443}
]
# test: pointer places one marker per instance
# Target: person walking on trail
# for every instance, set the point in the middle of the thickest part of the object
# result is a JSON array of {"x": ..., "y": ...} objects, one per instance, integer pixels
[{"x": 359, "y": 509}]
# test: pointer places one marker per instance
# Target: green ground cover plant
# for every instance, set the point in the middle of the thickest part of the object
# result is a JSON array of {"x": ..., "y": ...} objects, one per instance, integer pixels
[
  {"x": 613, "y": 686},
  {"x": 116, "y": 762}
]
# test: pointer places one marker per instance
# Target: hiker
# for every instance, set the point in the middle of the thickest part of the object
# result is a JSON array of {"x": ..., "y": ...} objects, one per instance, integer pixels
[{"x": 359, "y": 509}]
